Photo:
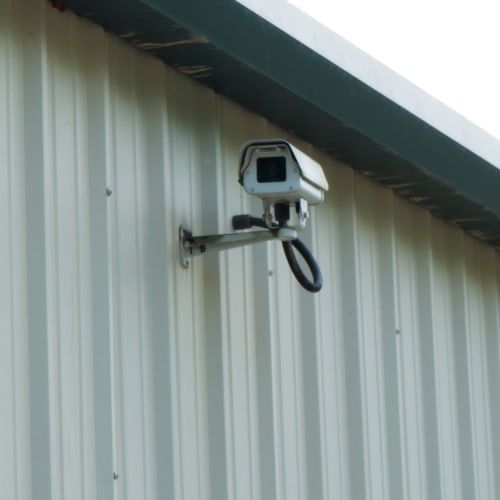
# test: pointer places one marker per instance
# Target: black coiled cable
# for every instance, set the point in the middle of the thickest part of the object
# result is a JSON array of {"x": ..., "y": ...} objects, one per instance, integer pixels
[
  {"x": 310, "y": 286},
  {"x": 248, "y": 221}
]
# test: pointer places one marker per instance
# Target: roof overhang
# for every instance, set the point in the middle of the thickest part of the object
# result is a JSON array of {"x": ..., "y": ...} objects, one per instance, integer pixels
[{"x": 252, "y": 60}]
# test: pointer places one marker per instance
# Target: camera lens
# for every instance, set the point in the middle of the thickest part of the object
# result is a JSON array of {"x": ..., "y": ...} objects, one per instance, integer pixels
[{"x": 271, "y": 169}]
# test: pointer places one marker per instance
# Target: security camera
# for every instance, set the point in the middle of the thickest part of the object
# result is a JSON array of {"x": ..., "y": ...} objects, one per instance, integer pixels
[
  {"x": 287, "y": 181},
  {"x": 285, "y": 178}
]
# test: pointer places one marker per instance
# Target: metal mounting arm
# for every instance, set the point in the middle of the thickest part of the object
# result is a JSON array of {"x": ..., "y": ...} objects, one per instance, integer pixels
[{"x": 190, "y": 246}]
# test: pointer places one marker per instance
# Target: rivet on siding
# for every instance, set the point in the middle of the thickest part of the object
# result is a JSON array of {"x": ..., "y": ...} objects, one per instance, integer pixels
[
  {"x": 270, "y": 272},
  {"x": 398, "y": 331},
  {"x": 108, "y": 192},
  {"x": 115, "y": 476}
]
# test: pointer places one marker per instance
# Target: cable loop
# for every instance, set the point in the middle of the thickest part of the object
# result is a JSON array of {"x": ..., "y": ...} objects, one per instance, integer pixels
[
  {"x": 317, "y": 282},
  {"x": 247, "y": 221}
]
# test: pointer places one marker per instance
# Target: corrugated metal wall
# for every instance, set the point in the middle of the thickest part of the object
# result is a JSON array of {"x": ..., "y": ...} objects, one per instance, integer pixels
[{"x": 123, "y": 375}]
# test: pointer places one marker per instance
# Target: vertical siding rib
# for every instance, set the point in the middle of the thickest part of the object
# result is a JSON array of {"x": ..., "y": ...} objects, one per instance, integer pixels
[
  {"x": 14, "y": 397},
  {"x": 442, "y": 290},
  {"x": 409, "y": 355},
  {"x": 33, "y": 72},
  {"x": 478, "y": 381},
  {"x": 124, "y": 375},
  {"x": 330, "y": 351},
  {"x": 97, "y": 131},
  {"x": 368, "y": 310}
]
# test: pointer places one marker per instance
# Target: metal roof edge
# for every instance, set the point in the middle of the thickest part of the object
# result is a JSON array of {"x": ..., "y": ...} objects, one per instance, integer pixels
[
  {"x": 240, "y": 54},
  {"x": 383, "y": 79}
]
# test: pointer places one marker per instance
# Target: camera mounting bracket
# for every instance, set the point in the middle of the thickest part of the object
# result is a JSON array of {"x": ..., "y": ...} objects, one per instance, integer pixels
[{"x": 191, "y": 246}]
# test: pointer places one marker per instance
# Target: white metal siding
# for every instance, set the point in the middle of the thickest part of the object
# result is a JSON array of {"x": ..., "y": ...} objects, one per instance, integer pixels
[{"x": 225, "y": 380}]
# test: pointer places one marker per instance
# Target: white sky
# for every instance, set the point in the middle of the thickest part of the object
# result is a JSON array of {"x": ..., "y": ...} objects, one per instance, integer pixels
[{"x": 449, "y": 48}]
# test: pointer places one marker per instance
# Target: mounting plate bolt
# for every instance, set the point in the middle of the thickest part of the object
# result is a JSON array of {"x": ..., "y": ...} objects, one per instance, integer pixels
[{"x": 184, "y": 255}]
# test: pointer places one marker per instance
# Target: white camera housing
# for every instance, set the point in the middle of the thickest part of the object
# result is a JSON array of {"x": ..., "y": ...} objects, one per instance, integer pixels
[{"x": 280, "y": 174}]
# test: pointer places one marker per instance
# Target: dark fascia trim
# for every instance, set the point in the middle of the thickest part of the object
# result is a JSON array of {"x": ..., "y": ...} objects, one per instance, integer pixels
[{"x": 239, "y": 54}]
